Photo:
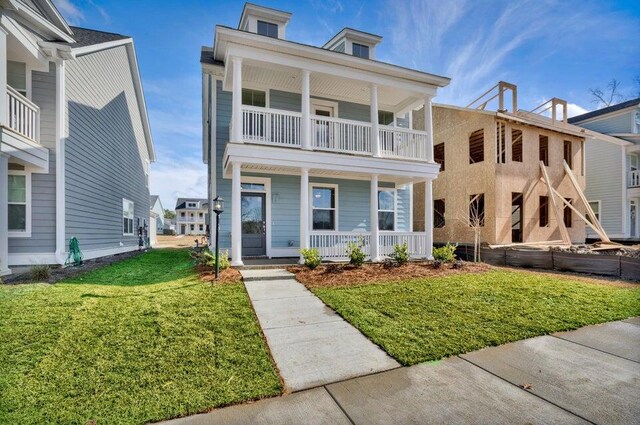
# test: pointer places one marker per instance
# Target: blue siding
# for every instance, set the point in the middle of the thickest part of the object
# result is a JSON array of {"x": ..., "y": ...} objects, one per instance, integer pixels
[
  {"x": 617, "y": 124},
  {"x": 292, "y": 102}
]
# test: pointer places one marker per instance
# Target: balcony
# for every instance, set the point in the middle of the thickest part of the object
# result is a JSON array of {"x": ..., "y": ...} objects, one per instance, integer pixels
[
  {"x": 633, "y": 178},
  {"x": 275, "y": 127},
  {"x": 23, "y": 115}
]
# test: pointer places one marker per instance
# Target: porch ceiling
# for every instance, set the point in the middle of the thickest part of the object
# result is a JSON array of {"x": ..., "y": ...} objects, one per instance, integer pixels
[{"x": 266, "y": 75}]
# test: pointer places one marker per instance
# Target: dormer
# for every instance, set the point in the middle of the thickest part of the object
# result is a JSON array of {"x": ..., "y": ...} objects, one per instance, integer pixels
[
  {"x": 355, "y": 43},
  {"x": 264, "y": 21}
]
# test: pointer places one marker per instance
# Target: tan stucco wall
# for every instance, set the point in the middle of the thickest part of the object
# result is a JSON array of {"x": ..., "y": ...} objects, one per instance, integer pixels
[{"x": 497, "y": 181}]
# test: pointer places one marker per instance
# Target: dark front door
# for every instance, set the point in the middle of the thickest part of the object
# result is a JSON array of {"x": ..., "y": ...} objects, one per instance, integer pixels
[{"x": 254, "y": 224}]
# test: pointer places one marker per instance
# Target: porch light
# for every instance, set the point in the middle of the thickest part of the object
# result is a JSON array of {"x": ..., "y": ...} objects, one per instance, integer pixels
[
  {"x": 218, "y": 208},
  {"x": 218, "y": 205}
]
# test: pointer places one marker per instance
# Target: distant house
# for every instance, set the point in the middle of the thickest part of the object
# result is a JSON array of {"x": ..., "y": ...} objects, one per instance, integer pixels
[
  {"x": 191, "y": 216},
  {"x": 613, "y": 167},
  {"x": 156, "y": 206},
  {"x": 75, "y": 143}
]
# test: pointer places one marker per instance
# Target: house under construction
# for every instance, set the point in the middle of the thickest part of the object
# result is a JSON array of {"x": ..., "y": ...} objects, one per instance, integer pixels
[{"x": 519, "y": 175}]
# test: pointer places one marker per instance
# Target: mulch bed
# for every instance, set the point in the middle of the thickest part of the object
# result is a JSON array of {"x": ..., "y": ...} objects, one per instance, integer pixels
[
  {"x": 346, "y": 275},
  {"x": 229, "y": 275}
]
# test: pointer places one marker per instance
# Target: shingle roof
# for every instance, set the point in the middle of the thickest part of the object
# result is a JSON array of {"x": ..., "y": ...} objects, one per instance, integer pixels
[
  {"x": 153, "y": 199},
  {"x": 182, "y": 202},
  {"x": 206, "y": 56},
  {"x": 604, "y": 111},
  {"x": 87, "y": 37}
]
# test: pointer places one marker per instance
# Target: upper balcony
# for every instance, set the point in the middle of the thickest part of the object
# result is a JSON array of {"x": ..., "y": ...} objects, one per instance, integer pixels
[
  {"x": 23, "y": 116},
  {"x": 633, "y": 179}
]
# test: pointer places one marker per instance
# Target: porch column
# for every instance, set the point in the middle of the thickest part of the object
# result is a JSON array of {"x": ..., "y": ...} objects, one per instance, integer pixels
[
  {"x": 375, "y": 233},
  {"x": 236, "y": 220},
  {"x": 375, "y": 129},
  {"x": 428, "y": 218},
  {"x": 304, "y": 209},
  {"x": 236, "y": 106},
  {"x": 305, "y": 127},
  {"x": 3, "y": 78},
  {"x": 428, "y": 127},
  {"x": 4, "y": 214}
]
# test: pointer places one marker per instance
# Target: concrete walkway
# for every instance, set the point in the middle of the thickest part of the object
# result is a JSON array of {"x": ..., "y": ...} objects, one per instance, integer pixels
[
  {"x": 591, "y": 375},
  {"x": 310, "y": 343}
]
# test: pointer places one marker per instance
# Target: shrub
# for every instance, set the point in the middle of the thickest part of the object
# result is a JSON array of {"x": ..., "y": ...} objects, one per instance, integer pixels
[
  {"x": 458, "y": 264},
  {"x": 311, "y": 257},
  {"x": 204, "y": 257},
  {"x": 40, "y": 272},
  {"x": 446, "y": 253},
  {"x": 400, "y": 254},
  {"x": 355, "y": 253}
]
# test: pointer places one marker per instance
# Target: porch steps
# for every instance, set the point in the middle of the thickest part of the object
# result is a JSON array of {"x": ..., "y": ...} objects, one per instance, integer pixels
[{"x": 252, "y": 275}]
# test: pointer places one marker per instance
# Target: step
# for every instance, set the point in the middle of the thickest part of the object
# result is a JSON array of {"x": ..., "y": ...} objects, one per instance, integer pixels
[{"x": 265, "y": 274}]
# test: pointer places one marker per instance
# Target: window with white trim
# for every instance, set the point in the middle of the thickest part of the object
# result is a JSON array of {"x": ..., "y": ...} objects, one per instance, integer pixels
[
  {"x": 127, "y": 217},
  {"x": 19, "y": 206},
  {"x": 268, "y": 28},
  {"x": 323, "y": 207},
  {"x": 595, "y": 206},
  {"x": 192, "y": 204},
  {"x": 360, "y": 50},
  {"x": 387, "y": 209}
]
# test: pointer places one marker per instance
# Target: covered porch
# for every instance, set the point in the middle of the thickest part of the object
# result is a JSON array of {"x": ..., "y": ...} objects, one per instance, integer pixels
[{"x": 321, "y": 200}]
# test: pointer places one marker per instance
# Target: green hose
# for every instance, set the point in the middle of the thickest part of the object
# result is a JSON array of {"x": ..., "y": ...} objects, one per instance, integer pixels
[{"x": 75, "y": 255}]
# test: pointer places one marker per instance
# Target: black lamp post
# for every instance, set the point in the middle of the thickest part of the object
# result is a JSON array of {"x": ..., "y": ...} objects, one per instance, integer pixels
[{"x": 218, "y": 208}]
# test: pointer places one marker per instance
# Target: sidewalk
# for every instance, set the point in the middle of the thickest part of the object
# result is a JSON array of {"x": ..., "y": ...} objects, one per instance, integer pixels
[
  {"x": 310, "y": 343},
  {"x": 591, "y": 375}
]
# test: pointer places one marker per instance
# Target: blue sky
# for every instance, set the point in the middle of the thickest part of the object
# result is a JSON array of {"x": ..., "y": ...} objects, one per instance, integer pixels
[{"x": 548, "y": 48}]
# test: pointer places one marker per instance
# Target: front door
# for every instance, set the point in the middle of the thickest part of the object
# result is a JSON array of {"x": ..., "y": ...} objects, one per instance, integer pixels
[
  {"x": 324, "y": 138},
  {"x": 254, "y": 224}
]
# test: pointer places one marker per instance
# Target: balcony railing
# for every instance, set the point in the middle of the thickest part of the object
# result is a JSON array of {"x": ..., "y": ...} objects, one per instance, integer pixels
[
  {"x": 283, "y": 128},
  {"x": 633, "y": 178},
  {"x": 23, "y": 115},
  {"x": 333, "y": 245}
]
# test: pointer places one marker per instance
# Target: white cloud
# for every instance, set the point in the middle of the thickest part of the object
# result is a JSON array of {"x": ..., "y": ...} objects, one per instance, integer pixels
[
  {"x": 178, "y": 175},
  {"x": 574, "y": 110},
  {"x": 71, "y": 12}
]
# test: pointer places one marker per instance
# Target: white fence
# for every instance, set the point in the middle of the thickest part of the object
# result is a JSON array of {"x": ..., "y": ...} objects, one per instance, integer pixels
[
  {"x": 333, "y": 245},
  {"x": 416, "y": 242},
  {"x": 633, "y": 178},
  {"x": 402, "y": 142},
  {"x": 271, "y": 126},
  {"x": 335, "y": 134},
  {"x": 23, "y": 115}
]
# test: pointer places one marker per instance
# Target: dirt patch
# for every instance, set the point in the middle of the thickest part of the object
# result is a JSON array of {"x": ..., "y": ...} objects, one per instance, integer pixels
[
  {"x": 579, "y": 277},
  {"x": 345, "y": 275},
  {"x": 59, "y": 273},
  {"x": 229, "y": 275}
]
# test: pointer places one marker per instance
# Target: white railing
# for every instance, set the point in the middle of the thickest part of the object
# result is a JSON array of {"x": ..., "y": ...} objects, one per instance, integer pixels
[
  {"x": 633, "y": 178},
  {"x": 333, "y": 245},
  {"x": 402, "y": 142},
  {"x": 270, "y": 126},
  {"x": 23, "y": 115},
  {"x": 338, "y": 135},
  {"x": 416, "y": 242}
]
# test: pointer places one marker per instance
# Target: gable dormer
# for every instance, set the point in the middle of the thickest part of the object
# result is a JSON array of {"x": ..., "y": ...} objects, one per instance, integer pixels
[
  {"x": 355, "y": 43},
  {"x": 264, "y": 21}
]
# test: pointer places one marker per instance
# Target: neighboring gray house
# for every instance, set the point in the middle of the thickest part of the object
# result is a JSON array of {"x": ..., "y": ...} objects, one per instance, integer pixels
[
  {"x": 191, "y": 216},
  {"x": 311, "y": 146},
  {"x": 613, "y": 168},
  {"x": 156, "y": 206},
  {"x": 74, "y": 137}
]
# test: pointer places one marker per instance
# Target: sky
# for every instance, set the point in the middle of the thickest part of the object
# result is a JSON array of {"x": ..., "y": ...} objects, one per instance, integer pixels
[{"x": 549, "y": 48}]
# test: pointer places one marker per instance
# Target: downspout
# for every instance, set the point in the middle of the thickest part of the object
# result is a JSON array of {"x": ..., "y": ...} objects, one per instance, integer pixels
[{"x": 60, "y": 253}]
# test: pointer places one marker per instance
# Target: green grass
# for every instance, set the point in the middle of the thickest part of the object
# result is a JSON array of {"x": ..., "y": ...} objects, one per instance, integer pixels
[
  {"x": 137, "y": 341},
  {"x": 429, "y": 319}
]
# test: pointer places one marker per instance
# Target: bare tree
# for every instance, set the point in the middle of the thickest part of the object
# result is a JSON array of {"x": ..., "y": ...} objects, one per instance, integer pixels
[
  {"x": 637, "y": 80},
  {"x": 475, "y": 220},
  {"x": 609, "y": 96}
]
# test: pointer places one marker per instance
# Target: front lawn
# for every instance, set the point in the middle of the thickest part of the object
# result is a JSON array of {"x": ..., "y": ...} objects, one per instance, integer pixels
[
  {"x": 428, "y": 319},
  {"x": 137, "y": 341}
]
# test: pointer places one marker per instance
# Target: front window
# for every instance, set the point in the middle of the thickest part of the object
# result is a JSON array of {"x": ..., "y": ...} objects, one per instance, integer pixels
[
  {"x": 268, "y": 29},
  {"x": 360, "y": 50},
  {"x": 19, "y": 199},
  {"x": 182, "y": 214},
  {"x": 252, "y": 97},
  {"x": 386, "y": 209},
  {"x": 385, "y": 118},
  {"x": 127, "y": 217},
  {"x": 323, "y": 208}
]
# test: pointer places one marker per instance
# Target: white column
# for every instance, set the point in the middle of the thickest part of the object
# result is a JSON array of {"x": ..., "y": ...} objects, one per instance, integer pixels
[
  {"x": 428, "y": 217},
  {"x": 236, "y": 106},
  {"x": 428, "y": 127},
  {"x": 236, "y": 220},
  {"x": 3, "y": 77},
  {"x": 61, "y": 241},
  {"x": 305, "y": 127},
  {"x": 4, "y": 214},
  {"x": 375, "y": 233},
  {"x": 304, "y": 209},
  {"x": 375, "y": 129}
]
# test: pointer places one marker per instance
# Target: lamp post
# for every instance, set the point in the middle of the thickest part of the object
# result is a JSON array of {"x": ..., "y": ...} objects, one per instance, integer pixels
[{"x": 218, "y": 207}]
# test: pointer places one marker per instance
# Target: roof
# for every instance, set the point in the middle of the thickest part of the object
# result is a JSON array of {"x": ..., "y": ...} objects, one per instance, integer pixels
[
  {"x": 86, "y": 37},
  {"x": 604, "y": 111},
  {"x": 182, "y": 202},
  {"x": 206, "y": 56},
  {"x": 347, "y": 32},
  {"x": 153, "y": 199}
]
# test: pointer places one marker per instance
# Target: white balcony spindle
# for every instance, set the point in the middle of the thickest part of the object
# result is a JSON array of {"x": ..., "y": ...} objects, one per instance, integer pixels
[{"x": 23, "y": 115}]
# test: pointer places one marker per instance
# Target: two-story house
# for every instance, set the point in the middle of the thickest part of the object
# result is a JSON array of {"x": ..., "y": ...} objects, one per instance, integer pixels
[
  {"x": 156, "y": 206},
  {"x": 75, "y": 143},
  {"x": 191, "y": 214},
  {"x": 613, "y": 165},
  {"x": 312, "y": 145}
]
